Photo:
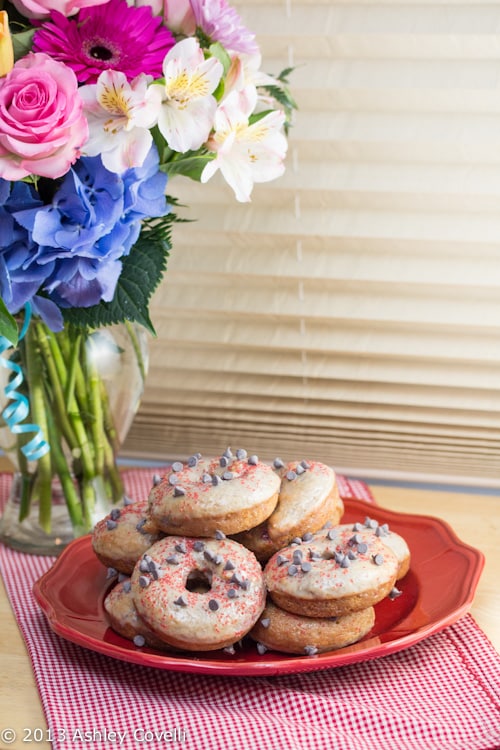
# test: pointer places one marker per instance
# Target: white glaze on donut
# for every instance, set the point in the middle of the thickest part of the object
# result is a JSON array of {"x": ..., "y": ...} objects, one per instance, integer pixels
[
  {"x": 329, "y": 573},
  {"x": 124, "y": 618},
  {"x": 391, "y": 539},
  {"x": 308, "y": 489},
  {"x": 308, "y": 499},
  {"x": 185, "y": 618},
  {"x": 189, "y": 502}
]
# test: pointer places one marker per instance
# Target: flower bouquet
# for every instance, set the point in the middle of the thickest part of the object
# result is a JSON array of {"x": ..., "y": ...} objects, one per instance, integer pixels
[{"x": 102, "y": 102}]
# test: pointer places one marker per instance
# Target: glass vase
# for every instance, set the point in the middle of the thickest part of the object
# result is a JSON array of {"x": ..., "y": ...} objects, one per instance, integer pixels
[{"x": 83, "y": 389}]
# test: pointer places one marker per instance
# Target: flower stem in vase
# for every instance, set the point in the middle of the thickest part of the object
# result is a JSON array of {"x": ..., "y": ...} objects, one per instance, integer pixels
[
  {"x": 115, "y": 484},
  {"x": 137, "y": 348},
  {"x": 43, "y": 481},
  {"x": 72, "y": 367},
  {"x": 67, "y": 412},
  {"x": 93, "y": 405},
  {"x": 105, "y": 438},
  {"x": 27, "y": 481},
  {"x": 56, "y": 377},
  {"x": 62, "y": 470},
  {"x": 96, "y": 414},
  {"x": 26, "y": 477}
]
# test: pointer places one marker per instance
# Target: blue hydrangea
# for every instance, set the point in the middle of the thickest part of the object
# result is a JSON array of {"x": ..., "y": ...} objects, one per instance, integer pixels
[
  {"x": 92, "y": 221},
  {"x": 20, "y": 279}
]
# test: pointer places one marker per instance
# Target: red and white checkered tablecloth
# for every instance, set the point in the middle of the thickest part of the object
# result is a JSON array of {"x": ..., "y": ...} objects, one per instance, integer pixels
[{"x": 440, "y": 694}]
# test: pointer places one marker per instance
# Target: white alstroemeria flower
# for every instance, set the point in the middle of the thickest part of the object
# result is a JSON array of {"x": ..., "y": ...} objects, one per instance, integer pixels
[
  {"x": 246, "y": 153},
  {"x": 120, "y": 114},
  {"x": 245, "y": 71},
  {"x": 188, "y": 107}
]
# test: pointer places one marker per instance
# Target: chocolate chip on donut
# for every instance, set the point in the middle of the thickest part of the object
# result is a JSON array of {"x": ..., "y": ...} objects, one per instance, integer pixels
[
  {"x": 193, "y": 551},
  {"x": 289, "y": 633},
  {"x": 347, "y": 573},
  {"x": 394, "y": 541},
  {"x": 207, "y": 599},
  {"x": 120, "y": 538},
  {"x": 124, "y": 619},
  {"x": 308, "y": 498},
  {"x": 227, "y": 494}
]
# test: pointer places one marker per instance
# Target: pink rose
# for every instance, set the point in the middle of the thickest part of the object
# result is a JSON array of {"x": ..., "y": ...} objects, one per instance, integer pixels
[
  {"x": 42, "y": 125},
  {"x": 43, "y": 8}
]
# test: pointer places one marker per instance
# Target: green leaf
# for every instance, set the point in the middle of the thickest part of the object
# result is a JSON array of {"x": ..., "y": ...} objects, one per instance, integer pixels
[
  {"x": 217, "y": 50},
  {"x": 282, "y": 95},
  {"x": 142, "y": 271},
  {"x": 8, "y": 325},
  {"x": 283, "y": 76},
  {"x": 190, "y": 164},
  {"x": 165, "y": 153},
  {"x": 203, "y": 39},
  {"x": 219, "y": 91},
  {"x": 283, "y": 98},
  {"x": 22, "y": 43},
  {"x": 256, "y": 116}
]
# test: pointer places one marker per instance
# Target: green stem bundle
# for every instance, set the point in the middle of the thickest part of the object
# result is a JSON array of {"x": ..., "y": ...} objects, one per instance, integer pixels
[{"x": 69, "y": 402}]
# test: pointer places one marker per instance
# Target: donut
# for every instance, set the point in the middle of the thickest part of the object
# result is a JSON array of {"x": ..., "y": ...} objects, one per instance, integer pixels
[
  {"x": 331, "y": 573},
  {"x": 289, "y": 633},
  {"x": 229, "y": 494},
  {"x": 123, "y": 535},
  {"x": 308, "y": 499},
  {"x": 259, "y": 542},
  {"x": 394, "y": 541},
  {"x": 124, "y": 619},
  {"x": 199, "y": 594}
]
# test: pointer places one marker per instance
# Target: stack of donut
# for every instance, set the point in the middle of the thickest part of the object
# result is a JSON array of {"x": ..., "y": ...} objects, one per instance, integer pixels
[{"x": 228, "y": 547}]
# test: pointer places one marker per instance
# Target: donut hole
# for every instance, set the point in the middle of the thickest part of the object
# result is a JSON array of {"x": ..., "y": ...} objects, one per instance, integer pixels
[{"x": 199, "y": 581}]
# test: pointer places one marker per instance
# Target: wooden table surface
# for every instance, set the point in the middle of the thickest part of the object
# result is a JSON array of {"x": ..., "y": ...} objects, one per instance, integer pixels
[{"x": 475, "y": 519}]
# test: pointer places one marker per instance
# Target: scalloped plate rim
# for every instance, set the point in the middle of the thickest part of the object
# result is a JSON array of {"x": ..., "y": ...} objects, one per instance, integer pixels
[{"x": 47, "y": 598}]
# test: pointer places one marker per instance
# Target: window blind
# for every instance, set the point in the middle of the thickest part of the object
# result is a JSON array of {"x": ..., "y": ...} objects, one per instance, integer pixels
[{"x": 351, "y": 311}]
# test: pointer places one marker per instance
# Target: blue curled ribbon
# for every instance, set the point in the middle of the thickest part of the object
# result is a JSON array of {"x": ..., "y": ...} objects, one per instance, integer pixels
[{"x": 17, "y": 411}]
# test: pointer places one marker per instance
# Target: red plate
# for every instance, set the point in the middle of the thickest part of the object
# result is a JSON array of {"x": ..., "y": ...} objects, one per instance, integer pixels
[{"x": 438, "y": 589}]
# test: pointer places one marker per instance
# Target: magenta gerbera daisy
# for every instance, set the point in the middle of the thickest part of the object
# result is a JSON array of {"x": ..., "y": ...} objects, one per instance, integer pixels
[{"x": 110, "y": 36}]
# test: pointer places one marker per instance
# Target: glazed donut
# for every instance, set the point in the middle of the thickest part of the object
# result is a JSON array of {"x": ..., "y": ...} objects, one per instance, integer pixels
[
  {"x": 121, "y": 537},
  {"x": 259, "y": 542},
  {"x": 308, "y": 499},
  {"x": 294, "y": 634},
  {"x": 394, "y": 541},
  {"x": 124, "y": 619},
  {"x": 199, "y": 595},
  {"x": 332, "y": 573},
  {"x": 230, "y": 494}
]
